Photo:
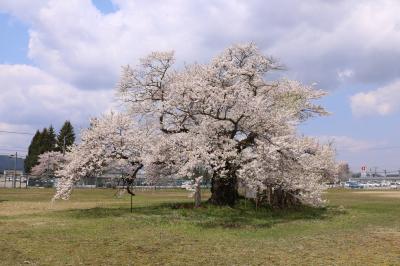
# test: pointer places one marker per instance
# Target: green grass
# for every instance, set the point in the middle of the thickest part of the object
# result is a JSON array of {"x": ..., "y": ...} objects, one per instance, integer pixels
[{"x": 96, "y": 228}]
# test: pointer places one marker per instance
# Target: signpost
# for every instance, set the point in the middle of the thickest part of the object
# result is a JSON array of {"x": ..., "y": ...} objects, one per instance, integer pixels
[{"x": 363, "y": 171}]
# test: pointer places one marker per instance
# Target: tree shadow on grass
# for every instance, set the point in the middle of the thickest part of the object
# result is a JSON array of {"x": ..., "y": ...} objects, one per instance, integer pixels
[
  {"x": 209, "y": 216},
  {"x": 96, "y": 212}
]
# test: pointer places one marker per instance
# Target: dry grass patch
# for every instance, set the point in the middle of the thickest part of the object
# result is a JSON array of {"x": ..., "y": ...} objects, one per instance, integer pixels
[
  {"x": 381, "y": 193},
  {"x": 96, "y": 228}
]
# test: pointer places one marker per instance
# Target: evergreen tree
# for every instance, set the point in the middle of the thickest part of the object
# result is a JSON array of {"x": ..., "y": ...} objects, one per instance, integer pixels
[
  {"x": 48, "y": 140},
  {"x": 42, "y": 142},
  {"x": 66, "y": 134},
  {"x": 33, "y": 152}
]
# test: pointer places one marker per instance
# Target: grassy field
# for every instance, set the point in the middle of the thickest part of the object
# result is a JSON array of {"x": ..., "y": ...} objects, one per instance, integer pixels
[{"x": 96, "y": 228}]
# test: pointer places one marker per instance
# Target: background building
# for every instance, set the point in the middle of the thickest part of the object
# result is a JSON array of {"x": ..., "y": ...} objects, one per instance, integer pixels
[
  {"x": 7, "y": 163},
  {"x": 11, "y": 171}
]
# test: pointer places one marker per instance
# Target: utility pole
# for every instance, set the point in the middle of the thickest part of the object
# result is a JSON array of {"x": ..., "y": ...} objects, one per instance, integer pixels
[{"x": 15, "y": 171}]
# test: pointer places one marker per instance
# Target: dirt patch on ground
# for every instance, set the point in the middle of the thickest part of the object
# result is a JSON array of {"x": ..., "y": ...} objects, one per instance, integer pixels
[
  {"x": 11, "y": 208},
  {"x": 386, "y": 194}
]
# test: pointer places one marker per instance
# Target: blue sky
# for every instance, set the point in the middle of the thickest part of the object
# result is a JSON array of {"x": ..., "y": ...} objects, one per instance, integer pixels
[
  {"x": 105, "y": 6},
  {"x": 14, "y": 40},
  {"x": 61, "y": 60}
]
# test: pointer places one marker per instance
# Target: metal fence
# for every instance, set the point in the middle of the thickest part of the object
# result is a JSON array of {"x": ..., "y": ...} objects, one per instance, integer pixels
[
  {"x": 25, "y": 181},
  {"x": 13, "y": 181}
]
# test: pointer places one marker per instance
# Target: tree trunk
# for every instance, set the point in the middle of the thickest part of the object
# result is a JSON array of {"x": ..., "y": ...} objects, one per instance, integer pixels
[
  {"x": 283, "y": 199},
  {"x": 224, "y": 191}
]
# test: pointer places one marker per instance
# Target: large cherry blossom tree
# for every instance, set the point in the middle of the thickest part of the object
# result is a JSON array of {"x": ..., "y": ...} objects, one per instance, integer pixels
[{"x": 227, "y": 117}]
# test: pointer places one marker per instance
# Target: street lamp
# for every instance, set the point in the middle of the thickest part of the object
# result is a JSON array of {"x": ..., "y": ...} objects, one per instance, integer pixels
[{"x": 15, "y": 168}]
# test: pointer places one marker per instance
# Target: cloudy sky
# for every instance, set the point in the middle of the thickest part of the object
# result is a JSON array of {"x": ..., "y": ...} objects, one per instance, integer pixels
[{"x": 61, "y": 60}]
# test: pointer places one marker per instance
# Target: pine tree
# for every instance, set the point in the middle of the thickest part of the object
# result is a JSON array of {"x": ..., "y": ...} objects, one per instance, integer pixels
[
  {"x": 33, "y": 152},
  {"x": 66, "y": 134},
  {"x": 42, "y": 142},
  {"x": 52, "y": 139}
]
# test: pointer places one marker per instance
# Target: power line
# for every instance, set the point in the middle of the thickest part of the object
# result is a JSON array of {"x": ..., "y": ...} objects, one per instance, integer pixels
[
  {"x": 19, "y": 154},
  {"x": 383, "y": 148},
  {"x": 16, "y": 132},
  {"x": 368, "y": 149},
  {"x": 13, "y": 149}
]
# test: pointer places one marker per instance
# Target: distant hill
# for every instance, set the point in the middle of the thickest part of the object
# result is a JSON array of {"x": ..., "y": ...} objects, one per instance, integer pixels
[{"x": 7, "y": 163}]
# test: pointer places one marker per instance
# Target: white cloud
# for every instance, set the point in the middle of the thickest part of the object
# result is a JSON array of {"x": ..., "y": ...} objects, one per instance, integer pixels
[
  {"x": 10, "y": 143},
  {"x": 382, "y": 101},
  {"x": 349, "y": 144},
  {"x": 345, "y": 74},
  {"x": 23, "y": 9},
  {"x": 30, "y": 96},
  {"x": 78, "y": 51},
  {"x": 77, "y": 43},
  {"x": 362, "y": 152},
  {"x": 74, "y": 41}
]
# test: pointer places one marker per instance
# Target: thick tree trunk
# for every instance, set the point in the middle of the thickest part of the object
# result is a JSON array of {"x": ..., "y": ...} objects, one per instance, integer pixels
[
  {"x": 283, "y": 199},
  {"x": 224, "y": 191}
]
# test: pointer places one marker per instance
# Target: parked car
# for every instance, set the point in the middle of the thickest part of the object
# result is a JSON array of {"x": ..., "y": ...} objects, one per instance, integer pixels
[
  {"x": 186, "y": 184},
  {"x": 355, "y": 185}
]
